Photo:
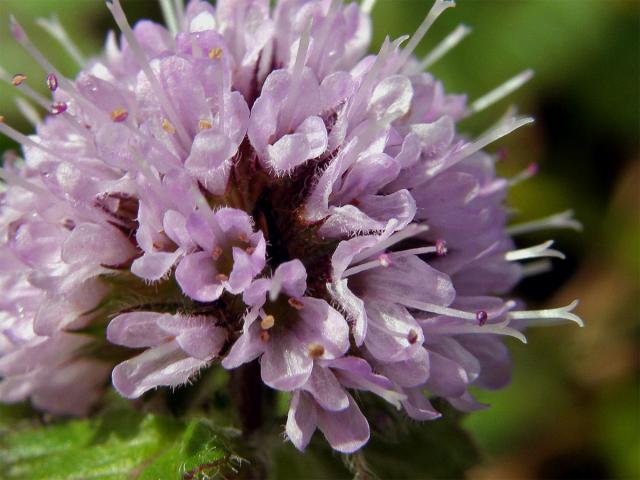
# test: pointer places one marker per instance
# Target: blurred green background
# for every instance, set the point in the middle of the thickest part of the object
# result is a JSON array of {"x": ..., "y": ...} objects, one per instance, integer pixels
[{"x": 573, "y": 409}]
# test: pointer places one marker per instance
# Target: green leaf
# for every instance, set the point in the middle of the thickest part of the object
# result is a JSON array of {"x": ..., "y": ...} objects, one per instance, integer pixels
[
  {"x": 119, "y": 445},
  {"x": 436, "y": 449}
]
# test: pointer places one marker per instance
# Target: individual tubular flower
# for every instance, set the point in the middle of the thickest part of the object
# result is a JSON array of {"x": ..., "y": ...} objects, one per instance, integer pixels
[
  {"x": 287, "y": 330},
  {"x": 177, "y": 347},
  {"x": 230, "y": 254}
]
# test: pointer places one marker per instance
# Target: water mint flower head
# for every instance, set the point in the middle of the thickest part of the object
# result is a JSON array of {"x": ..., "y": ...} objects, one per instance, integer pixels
[{"x": 247, "y": 184}]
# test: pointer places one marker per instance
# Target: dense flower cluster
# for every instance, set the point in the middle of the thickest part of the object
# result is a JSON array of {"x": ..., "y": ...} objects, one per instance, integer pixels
[{"x": 250, "y": 184}]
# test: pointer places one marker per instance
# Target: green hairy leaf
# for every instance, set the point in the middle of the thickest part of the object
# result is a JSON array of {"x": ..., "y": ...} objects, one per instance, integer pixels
[{"x": 118, "y": 445}]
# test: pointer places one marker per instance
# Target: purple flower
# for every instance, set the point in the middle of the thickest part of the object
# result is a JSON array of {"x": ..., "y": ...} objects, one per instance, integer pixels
[
  {"x": 246, "y": 185},
  {"x": 229, "y": 256},
  {"x": 287, "y": 330},
  {"x": 177, "y": 347}
]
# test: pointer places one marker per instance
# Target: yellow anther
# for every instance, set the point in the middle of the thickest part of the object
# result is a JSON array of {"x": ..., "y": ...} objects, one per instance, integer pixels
[
  {"x": 267, "y": 322},
  {"x": 168, "y": 127},
  {"x": 119, "y": 115},
  {"x": 215, "y": 53},
  {"x": 315, "y": 350},
  {"x": 18, "y": 79},
  {"x": 216, "y": 253},
  {"x": 204, "y": 124},
  {"x": 295, "y": 303}
]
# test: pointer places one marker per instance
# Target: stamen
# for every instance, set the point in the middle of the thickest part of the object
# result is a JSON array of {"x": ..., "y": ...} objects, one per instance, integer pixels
[
  {"x": 502, "y": 128},
  {"x": 267, "y": 322},
  {"x": 295, "y": 303},
  {"x": 52, "y": 82},
  {"x": 204, "y": 124},
  {"x": 216, "y": 253},
  {"x": 168, "y": 127},
  {"x": 215, "y": 53},
  {"x": 315, "y": 350},
  {"x": 527, "y": 173},
  {"x": 17, "y": 79},
  {"x": 500, "y": 92},
  {"x": 548, "y": 316},
  {"x": 29, "y": 111},
  {"x": 482, "y": 317},
  {"x": 382, "y": 261},
  {"x": 537, "y": 251},
  {"x": 170, "y": 17},
  {"x": 23, "y": 139},
  {"x": 54, "y": 28},
  {"x": 250, "y": 250},
  {"x": 119, "y": 115},
  {"x": 118, "y": 15},
  {"x": 438, "y": 7},
  {"x": 475, "y": 329},
  {"x": 367, "y": 6},
  {"x": 413, "y": 251},
  {"x": 440, "y": 50},
  {"x": 264, "y": 336},
  {"x": 21, "y": 37},
  {"x": 178, "y": 6},
  {"x": 536, "y": 268},
  {"x": 69, "y": 224},
  {"x": 437, "y": 309},
  {"x": 26, "y": 90},
  {"x": 558, "y": 220},
  {"x": 58, "y": 107},
  {"x": 412, "y": 336},
  {"x": 441, "y": 248},
  {"x": 409, "y": 231},
  {"x": 222, "y": 277}
]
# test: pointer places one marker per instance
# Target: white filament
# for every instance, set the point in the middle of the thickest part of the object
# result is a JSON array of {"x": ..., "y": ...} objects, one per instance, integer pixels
[
  {"x": 407, "y": 232},
  {"x": 438, "y": 7},
  {"x": 121, "y": 20},
  {"x": 22, "y": 139},
  {"x": 65, "y": 84},
  {"x": 54, "y": 28},
  {"x": 28, "y": 111},
  {"x": 383, "y": 262},
  {"x": 170, "y": 16},
  {"x": 548, "y": 316},
  {"x": 558, "y": 220},
  {"x": 440, "y": 50},
  {"x": 179, "y": 9},
  {"x": 367, "y": 6},
  {"x": 500, "y": 92},
  {"x": 536, "y": 268},
  {"x": 502, "y": 128},
  {"x": 537, "y": 251},
  {"x": 526, "y": 174},
  {"x": 437, "y": 309},
  {"x": 475, "y": 329},
  {"x": 27, "y": 90}
]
